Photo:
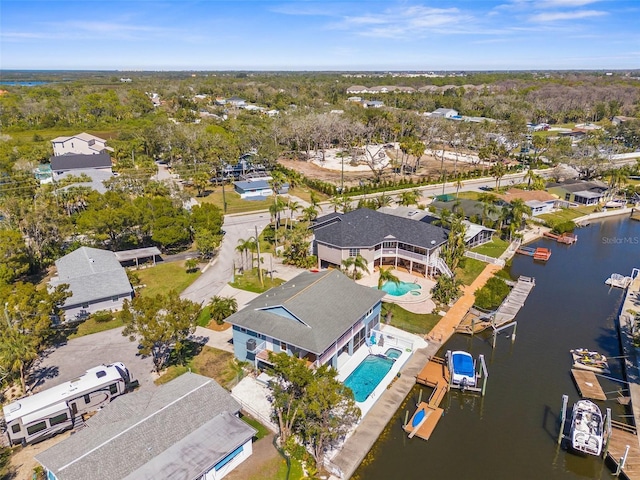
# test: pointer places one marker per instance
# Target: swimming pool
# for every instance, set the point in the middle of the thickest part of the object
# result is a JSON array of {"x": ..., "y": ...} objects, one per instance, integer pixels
[
  {"x": 366, "y": 377},
  {"x": 401, "y": 288}
]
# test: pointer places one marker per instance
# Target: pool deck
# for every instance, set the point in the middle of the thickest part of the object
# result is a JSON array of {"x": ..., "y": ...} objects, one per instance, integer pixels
[
  {"x": 420, "y": 303},
  {"x": 364, "y": 437}
]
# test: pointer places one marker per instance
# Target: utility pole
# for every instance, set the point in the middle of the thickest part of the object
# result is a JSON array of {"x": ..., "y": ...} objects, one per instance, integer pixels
[{"x": 258, "y": 248}]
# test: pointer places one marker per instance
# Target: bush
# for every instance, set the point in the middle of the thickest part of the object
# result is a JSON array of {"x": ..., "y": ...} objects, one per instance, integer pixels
[
  {"x": 102, "y": 316},
  {"x": 564, "y": 227},
  {"x": 492, "y": 294}
]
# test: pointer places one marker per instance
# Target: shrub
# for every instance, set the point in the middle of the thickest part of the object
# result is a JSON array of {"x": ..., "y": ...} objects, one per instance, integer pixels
[
  {"x": 492, "y": 294},
  {"x": 564, "y": 227}
]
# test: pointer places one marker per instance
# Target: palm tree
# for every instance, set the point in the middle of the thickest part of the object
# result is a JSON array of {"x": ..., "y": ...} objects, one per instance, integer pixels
[
  {"x": 409, "y": 197},
  {"x": 458, "y": 183},
  {"x": 17, "y": 350},
  {"x": 275, "y": 208},
  {"x": 245, "y": 246},
  {"x": 353, "y": 265},
  {"x": 383, "y": 200},
  {"x": 488, "y": 201},
  {"x": 386, "y": 276},
  {"x": 498, "y": 171},
  {"x": 310, "y": 213},
  {"x": 336, "y": 203},
  {"x": 293, "y": 206},
  {"x": 222, "y": 307},
  {"x": 455, "y": 247}
]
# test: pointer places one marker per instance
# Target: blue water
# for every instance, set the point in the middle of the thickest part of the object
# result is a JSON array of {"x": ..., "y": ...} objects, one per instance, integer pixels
[
  {"x": 366, "y": 377},
  {"x": 393, "y": 353},
  {"x": 23, "y": 84},
  {"x": 400, "y": 288}
]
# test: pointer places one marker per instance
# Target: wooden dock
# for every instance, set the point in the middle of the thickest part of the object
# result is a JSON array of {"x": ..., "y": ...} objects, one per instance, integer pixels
[
  {"x": 588, "y": 385},
  {"x": 427, "y": 425},
  {"x": 621, "y": 436},
  {"x": 566, "y": 238},
  {"x": 540, "y": 253}
]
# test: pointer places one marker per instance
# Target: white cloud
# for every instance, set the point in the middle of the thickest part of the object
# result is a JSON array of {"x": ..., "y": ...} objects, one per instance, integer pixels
[{"x": 560, "y": 16}]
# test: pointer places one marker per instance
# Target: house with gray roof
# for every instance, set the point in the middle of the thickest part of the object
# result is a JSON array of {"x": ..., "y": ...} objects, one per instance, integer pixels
[
  {"x": 320, "y": 317},
  {"x": 83, "y": 143},
  {"x": 579, "y": 191},
  {"x": 96, "y": 280},
  {"x": 381, "y": 239},
  {"x": 186, "y": 429}
]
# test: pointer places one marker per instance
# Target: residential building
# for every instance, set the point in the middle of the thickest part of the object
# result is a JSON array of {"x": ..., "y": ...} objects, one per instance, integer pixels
[
  {"x": 320, "y": 317},
  {"x": 538, "y": 201},
  {"x": 579, "y": 191},
  {"x": 236, "y": 102},
  {"x": 96, "y": 167},
  {"x": 185, "y": 429},
  {"x": 82, "y": 143},
  {"x": 96, "y": 281},
  {"x": 381, "y": 239},
  {"x": 372, "y": 104},
  {"x": 444, "y": 113}
]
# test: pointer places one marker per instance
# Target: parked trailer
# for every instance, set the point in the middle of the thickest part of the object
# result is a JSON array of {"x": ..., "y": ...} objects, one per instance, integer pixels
[{"x": 47, "y": 413}]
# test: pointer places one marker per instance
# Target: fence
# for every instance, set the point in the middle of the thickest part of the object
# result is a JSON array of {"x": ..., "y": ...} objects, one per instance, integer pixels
[{"x": 484, "y": 258}]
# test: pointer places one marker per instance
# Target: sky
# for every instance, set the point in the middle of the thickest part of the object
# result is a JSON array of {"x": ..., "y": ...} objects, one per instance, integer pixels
[{"x": 391, "y": 35}]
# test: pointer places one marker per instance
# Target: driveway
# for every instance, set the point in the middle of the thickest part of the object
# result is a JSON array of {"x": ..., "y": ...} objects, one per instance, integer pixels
[{"x": 64, "y": 362}]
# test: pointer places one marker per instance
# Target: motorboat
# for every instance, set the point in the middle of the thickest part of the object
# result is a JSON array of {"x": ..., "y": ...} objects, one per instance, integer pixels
[
  {"x": 587, "y": 428},
  {"x": 619, "y": 281},
  {"x": 589, "y": 360},
  {"x": 462, "y": 368}
]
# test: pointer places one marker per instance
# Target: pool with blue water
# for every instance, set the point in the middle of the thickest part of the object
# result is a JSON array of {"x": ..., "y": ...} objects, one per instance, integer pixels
[
  {"x": 366, "y": 377},
  {"x": 401, "y": 288}
]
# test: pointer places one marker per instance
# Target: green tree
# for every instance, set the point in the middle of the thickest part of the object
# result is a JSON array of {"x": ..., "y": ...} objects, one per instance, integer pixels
[
  {"x": 191, "y": 264},
  {"x": 386, "y": 275},
  {"x": 455, "y": 247},
  {"x": 446, "y": 289},
  {"x": 222, "y": 307},
  {"x": 160, "y": 324},
  {"x": 206, "y": 217},
  {"x": 201, "y": 181},
  {"x": 17, "y": 351},
  {"x": 14, "y": 255},
  {"x": 498, "y": 171},
  {"x": 330, "y": 412},
  {"x": 206, "y": 242},
  {"x": 354, "y": 266},
  {"x": 409, "y": 197}
]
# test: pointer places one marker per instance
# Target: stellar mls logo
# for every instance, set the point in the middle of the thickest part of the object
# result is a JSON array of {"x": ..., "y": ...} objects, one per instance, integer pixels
[{"x": 620, "y": 240}]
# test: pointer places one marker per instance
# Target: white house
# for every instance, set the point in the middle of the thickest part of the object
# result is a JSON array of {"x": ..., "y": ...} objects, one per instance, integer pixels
[
  {"x": 83, "y": 143},
  {"x": 96, "y": 281},
  {"x": 444, "y": 113}
]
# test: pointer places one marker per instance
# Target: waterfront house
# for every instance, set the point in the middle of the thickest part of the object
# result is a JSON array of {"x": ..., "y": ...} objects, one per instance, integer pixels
[
  {"x": 381, "y": 239},
  {"x": 579, "y": 191},
  {"x": 538, "y": 201},
  {"x": 320, "y": 317},
  {"x": 96, "y": 281},
  {"x": 187, "y": 428},
  {"x": 474, "y": 234},
  {"x": 82, "y": 143}
]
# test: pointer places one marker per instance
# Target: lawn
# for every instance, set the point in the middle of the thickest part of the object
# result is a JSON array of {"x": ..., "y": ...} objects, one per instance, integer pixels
[
  {"x": 566, "y": 214},
  {"x": 420, "y": 324},
  {"x": 91, "y": 325},
  {"x": 262, "y": 430},
  {"x": 472, "y": 268},
  {"x": 210, "y": 362},
  {"x": 494, "y": 248},
  {"x": 235, "y": 204},
  {"x": 164, "y": 277},
  {"x": 304, "y": 193},
  {"x": 249, "y": 281}
]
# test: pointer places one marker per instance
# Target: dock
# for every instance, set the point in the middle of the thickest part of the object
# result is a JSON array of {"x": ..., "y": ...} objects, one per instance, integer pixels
[
  {"x": 476, "y": 322},
  {"x": 541, "y": 254},
  {"x": 623, "y": 435},
  {"x": 434, "y": 374},
  {"x": 566, "y": 238},
  {"x": 588, "y": 384}
]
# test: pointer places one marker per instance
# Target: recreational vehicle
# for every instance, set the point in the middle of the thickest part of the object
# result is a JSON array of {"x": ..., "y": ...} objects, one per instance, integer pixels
[{"x": 40, "y": 416}]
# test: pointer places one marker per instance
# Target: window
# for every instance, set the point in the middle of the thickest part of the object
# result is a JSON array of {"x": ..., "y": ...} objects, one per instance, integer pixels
[
  {"x": 113, "y": 389},
  {"x": 87, "y": 398},
  {"x": 37, "y": 427},
  {"x": 101, "y": 373},
  {"x": 354, "y": 252},
  {"x": 58, "y": 419},
  {"x": 283, "y": 346},
  {"x": 15, "y": 428},
  {"x": 567, "y": 196},
  {"x": 389, "y": 244}
]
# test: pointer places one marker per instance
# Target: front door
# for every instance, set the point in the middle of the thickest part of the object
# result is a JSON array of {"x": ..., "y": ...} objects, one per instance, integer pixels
[{"x": 74, "y": 409}]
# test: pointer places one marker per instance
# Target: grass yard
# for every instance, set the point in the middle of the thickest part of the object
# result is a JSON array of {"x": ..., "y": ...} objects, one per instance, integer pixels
[
  {"x": 235, "y": 204},
  {"x": 494, "y": 248},
  {"x": 566, "y": 214},
  {"x": 91, "y": 325},
  {"x": 303, "y": 192},
  {"x": 262, "y": 430},
  {"x": 210, "y": 362},
  {"x": 249, "y": 281},
  {"x": 408, "y": 321},
  {"x": 472, "y": 268},
  {"x": 165, "y": 277}
]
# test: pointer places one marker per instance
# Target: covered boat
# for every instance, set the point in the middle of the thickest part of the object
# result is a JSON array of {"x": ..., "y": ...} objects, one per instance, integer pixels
[
  {"x": 589, "y": 360},
  {"x": 462, "y": 368},
  {"x": 587, "y": 428}
]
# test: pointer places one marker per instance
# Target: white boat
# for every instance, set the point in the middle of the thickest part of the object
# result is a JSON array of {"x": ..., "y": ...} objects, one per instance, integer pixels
[
  {"x": 587, "y": 428},
  {"x": 462, "y": 367},
  {"x": 590, "y": 360},
  {"x": 617, "y": 280}
]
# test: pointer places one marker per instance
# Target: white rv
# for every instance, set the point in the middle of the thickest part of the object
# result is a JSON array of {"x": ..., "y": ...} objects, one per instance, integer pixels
[{"x": 40, "y": 416}]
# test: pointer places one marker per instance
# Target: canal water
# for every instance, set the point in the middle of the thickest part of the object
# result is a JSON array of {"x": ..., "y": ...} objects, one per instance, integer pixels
[{"x": 511, "y": 432}]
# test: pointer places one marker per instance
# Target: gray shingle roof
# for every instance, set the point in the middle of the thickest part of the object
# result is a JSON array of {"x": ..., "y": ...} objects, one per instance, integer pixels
[
  {"x": 366, "y": 228},
  {"x": 92, "y": 274},
  {"x": 149, "y": 431},
  {"x": 326, "y": 304},
  {"x": 72, "y": 161}
]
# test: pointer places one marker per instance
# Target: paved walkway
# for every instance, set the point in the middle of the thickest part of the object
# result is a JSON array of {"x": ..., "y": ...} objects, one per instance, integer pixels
[{"x": 360, "y": 442}]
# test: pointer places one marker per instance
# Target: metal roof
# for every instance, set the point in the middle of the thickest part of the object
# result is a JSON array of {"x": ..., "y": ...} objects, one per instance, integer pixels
[{"x": 126, "y": 255}]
